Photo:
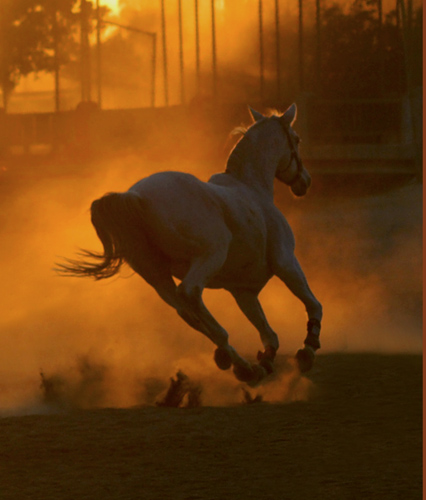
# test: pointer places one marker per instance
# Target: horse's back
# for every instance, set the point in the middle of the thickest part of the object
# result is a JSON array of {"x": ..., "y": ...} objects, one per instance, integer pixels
[
  {"x": 182, "y": 214},
  {"x": 184, "y": 202},
  {"x": 176, "y": 191}
]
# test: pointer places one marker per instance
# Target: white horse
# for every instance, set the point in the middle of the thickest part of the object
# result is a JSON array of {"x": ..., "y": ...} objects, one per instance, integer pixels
[{"x": 224, "y": 233}]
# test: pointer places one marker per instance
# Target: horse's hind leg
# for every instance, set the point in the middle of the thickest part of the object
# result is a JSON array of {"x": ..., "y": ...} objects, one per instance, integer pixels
[
  {"x": 190, "y": 290},
  {"x": 158, "y": 276},
  {"x": 187, "y": 299},
  {"x": 225, "y": 355},
  {"x": 202, "y": 268}
]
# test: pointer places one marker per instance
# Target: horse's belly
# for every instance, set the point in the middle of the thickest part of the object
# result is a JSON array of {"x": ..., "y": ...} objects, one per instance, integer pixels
[
  {"x": 238, "y": 271},
  {"x": 244, "y": 269},
  {"x": 249, "y": 278}
]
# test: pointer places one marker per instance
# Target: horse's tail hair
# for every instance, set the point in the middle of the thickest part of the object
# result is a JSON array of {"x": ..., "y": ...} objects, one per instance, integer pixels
[{"x": 117, "y": 219}]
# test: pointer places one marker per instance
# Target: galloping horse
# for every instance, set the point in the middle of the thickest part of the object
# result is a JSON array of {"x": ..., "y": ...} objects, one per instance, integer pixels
[{"x": 224, "y": 233}]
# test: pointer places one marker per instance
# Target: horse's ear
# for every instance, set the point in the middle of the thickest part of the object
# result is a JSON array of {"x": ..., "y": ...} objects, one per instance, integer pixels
[
  {"x": 255, "y": 114},
  {"x": 289, "y": 117}
]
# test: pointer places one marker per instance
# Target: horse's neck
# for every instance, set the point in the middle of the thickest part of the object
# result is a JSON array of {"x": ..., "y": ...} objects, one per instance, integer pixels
[{"x": 243, "y": 163}]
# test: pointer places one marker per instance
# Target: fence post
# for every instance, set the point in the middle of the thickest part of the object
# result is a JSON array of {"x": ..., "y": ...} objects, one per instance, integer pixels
[
  {"x": 56, "y": 58},
  {"x": 278, "y": 53},
  {"x": 4, "y": 133},
  {"x": 319, "y": 50},
  {"x": 197, "y": 46},
  {"x": 98, "y": 53},
  {"x": 302, "y": 123},
  {"x": 261, "y": 53},
  {"x": 86, "y": 89},
  {"x": 163, "y": 25},
  {"x": 301, "y": 49},
  {"x": 182, "y": 82},
  {"x": 214, "y": 63},
  {"x": 406, "y": 121}
]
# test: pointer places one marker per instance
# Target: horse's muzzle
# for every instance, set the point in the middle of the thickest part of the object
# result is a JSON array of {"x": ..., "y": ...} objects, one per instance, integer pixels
[{"x": 302, "y": 184}]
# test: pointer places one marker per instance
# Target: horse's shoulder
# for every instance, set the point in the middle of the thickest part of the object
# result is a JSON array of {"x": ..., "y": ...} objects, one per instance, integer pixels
[
  {"x": 280, "y": 234},
  {"x": 275, "y": 218}
]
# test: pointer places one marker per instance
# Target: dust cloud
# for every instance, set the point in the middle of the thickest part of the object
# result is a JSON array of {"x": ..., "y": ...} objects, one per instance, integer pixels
[{"x": 71, "y": 343}]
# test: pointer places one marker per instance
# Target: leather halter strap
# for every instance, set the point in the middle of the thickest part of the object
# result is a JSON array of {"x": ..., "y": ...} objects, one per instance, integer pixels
[{"x": 293, "y": 156}]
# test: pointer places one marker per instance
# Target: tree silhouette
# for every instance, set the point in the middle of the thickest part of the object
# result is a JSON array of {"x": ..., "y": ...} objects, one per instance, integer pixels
[
  {"x": 361, "y": 57},
  {"x": 35, "y": 35}
]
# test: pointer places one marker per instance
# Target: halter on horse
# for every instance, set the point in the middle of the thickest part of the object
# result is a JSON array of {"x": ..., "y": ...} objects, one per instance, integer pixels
[{"x": 226, "y": 233}]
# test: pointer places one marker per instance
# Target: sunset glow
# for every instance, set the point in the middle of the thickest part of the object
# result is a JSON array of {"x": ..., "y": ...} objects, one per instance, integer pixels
[{"x": 113, "y": 5}]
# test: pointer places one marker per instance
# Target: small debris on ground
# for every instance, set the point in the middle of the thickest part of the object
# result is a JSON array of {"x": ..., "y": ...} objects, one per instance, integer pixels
[
  {"x": 182, "y": 393},
  {"x": 249, "y": 399}
]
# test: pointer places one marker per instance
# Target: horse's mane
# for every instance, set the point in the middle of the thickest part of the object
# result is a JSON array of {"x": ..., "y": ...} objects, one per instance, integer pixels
[
  {"x": 242, "y": 149},
  {"x": 238, "y": 156},
  {"x": 242, "y": 129}
]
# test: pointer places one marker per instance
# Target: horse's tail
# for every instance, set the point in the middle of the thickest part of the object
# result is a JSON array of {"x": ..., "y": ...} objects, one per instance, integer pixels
[{"x": 117, "y": 218}]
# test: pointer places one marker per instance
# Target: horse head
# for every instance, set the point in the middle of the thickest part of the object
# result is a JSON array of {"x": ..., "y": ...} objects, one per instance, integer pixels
[{"x": 289, "y": 169}]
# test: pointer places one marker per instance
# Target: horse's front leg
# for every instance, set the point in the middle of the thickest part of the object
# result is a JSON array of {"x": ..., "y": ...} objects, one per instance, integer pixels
[
  {"x": 288, "y": 269},
  {"x": 249, "y": 304}
]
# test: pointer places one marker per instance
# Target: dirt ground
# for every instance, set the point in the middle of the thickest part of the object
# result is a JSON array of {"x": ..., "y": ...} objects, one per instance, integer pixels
[{"x": 358, "y": 436}]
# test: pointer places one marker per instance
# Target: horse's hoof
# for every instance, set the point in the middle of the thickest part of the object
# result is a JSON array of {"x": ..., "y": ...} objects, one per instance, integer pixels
[
  {"x": 252, "y": 374},
  {"x": 267, "y": 365},
  {"x": 243, "y": 373},
  {"x": 222, "y": 358},
  {"x": 259, "y": 373},
  {"x": 305, "y": 359},
  {"x": 266, "y": 359}
]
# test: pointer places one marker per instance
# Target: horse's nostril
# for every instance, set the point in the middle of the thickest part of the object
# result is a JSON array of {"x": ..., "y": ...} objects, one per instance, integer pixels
[{"x": 299, "y": 189}]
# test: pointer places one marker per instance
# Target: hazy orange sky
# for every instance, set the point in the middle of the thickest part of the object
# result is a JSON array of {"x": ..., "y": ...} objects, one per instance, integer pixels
[
  {"x": 120, "y": 10},
  {"x": 113, "y": 5}
]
